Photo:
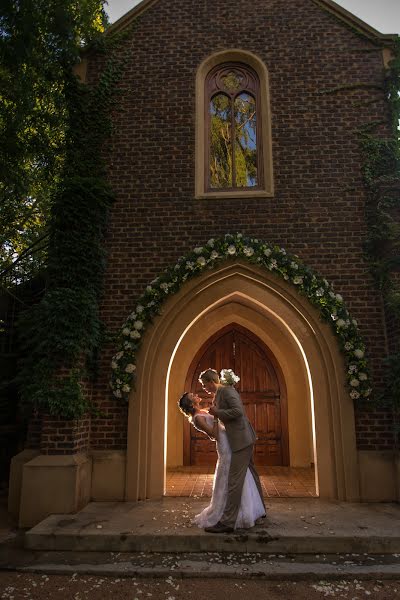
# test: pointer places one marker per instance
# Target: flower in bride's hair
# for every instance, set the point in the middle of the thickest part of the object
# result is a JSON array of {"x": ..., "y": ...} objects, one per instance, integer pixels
[{"x": 228, "y": 377}]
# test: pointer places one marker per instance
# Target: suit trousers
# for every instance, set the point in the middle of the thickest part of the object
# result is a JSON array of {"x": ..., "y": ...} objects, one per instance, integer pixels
[{"x": 241, "y": 461}]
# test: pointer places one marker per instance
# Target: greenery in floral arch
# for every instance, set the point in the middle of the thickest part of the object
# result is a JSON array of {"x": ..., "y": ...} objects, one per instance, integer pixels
[{"x": 273, "y": 258}]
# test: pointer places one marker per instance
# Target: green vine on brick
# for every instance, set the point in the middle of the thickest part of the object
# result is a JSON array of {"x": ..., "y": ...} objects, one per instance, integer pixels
[
  {"x": 382, "y": 176},
  {"x": 61, "y": 334}
]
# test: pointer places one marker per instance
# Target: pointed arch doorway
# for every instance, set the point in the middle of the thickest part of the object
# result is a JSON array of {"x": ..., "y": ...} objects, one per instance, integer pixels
[
  {"x": 262, "y": 389},
  {"x": 320, "y": 410}
]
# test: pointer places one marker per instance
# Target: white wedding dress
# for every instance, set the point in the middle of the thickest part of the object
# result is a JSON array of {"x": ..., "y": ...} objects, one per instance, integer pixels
[{"x": 251, "y": 506}]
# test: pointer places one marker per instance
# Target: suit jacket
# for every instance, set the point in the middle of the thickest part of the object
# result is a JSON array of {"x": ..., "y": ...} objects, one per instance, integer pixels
[{"x": 230, "y": 411}]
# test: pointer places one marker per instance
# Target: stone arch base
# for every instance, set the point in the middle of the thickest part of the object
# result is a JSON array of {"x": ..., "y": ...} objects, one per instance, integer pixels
[{"x": 320, "y": 411}]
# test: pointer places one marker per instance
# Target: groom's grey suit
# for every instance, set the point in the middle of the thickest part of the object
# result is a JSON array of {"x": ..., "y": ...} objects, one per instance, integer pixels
[{"x": 241, "y": 437}]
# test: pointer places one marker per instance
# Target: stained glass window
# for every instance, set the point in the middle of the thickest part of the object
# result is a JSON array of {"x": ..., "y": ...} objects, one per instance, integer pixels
[{"x": 233, "y": 150}]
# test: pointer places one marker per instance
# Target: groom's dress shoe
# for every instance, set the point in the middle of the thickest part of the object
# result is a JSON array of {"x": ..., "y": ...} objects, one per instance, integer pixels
[
  {"x": 219, "y": 528},
  {"x": 260, "y": 520}
]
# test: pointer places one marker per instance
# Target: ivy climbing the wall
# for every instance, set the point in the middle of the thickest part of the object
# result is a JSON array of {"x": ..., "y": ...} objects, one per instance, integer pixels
[
  {"x": 382, "y": 177},
  {"x": 61, "y": 334}
]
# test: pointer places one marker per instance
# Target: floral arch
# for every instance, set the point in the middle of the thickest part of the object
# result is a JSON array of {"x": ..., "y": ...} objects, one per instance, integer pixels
[{"x": 275, "y": 259}]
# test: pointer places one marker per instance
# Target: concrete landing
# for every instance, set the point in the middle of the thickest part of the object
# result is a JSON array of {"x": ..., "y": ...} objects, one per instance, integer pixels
[{"x": 292, "y": 526}]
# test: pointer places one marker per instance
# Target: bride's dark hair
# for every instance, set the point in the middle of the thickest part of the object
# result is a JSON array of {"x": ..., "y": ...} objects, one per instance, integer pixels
[{"x": 185, "y": 405}]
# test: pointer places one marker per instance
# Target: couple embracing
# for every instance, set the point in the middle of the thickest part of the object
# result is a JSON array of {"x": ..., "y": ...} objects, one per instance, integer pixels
[{"x": 237, "y": 499}]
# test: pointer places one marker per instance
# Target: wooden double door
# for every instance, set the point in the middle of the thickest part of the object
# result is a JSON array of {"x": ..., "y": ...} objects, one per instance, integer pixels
[{"x": 262, "y": 390}]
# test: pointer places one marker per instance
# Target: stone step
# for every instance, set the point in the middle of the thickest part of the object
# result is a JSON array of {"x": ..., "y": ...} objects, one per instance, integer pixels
[
  {"x": 200, "y": 566},
  {"x": 295, "y": 526}
]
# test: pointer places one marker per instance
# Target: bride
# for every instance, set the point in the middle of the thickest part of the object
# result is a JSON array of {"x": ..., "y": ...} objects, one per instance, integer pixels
[{"x": 251, "y": 506}]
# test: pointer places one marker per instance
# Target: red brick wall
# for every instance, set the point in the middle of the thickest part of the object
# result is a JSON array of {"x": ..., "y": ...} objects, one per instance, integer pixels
[
  {"x": 318, "y": 208},
  {"x": 34, "y": 433},
  {"x": 60, "y": 436}
]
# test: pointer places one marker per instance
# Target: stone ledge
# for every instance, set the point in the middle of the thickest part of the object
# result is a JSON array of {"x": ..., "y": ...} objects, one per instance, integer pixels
[
  {"x": 54, "y": 484},
  {"x": 379, "y": 475},
  {"x": 295, "y": 526}
]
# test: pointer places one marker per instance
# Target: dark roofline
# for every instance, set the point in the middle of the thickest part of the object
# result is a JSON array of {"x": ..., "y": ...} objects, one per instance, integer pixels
[
  {"x": 128, "y": 17},
  {"x": 328, "y": 5},
  {"x": 355, "y": 22}
]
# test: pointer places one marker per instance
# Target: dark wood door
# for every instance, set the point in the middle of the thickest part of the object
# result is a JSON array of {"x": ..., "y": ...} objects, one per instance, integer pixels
[{"x": 261, "y": 388}]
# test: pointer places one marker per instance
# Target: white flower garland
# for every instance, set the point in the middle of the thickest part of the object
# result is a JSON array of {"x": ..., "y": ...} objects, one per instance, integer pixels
[{"x": 273, "y": 258}]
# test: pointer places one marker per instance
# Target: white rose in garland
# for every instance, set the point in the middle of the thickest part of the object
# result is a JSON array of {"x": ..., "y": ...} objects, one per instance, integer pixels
[
  {"x": 273, "y": 258},
  {"x": 273, "y": 264}
]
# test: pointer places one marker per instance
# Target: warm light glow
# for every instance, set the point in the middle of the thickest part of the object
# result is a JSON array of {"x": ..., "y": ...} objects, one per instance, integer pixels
[{"x": 249, "y": 301}]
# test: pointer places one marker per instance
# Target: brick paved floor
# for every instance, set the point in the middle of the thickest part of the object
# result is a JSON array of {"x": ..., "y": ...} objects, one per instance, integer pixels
[{"x": 277, "y": 482}]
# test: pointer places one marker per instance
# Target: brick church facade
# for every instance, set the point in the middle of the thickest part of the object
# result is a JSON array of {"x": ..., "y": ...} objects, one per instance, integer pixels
[{"x": 318, "y": 74}]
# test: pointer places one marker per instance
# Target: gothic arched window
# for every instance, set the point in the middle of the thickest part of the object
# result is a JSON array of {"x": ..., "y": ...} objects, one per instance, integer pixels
[
  {"x": 233, "y": 127},
  {"x": 234, "y": 150}
]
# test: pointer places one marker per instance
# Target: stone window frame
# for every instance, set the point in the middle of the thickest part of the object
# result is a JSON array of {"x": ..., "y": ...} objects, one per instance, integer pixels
[{"x": 266, "y": 189}]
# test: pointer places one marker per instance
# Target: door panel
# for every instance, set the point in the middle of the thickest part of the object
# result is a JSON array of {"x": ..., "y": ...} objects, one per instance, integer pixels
[
  {"x": 219, "y": 353},
  {"x": 235, "y": 347}
]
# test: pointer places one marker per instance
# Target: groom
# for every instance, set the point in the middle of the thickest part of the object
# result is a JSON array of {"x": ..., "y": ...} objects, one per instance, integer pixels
[{"x": 228, "y": 407}]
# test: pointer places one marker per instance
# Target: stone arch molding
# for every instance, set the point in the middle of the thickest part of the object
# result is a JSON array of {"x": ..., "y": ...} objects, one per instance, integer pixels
[
  {"x": 263, "y": 280},
  {"x": 262, "y": 302}
]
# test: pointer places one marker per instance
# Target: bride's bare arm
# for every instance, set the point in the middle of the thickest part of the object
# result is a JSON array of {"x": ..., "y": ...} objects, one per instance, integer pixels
[{"x": 210, "y": 430}]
